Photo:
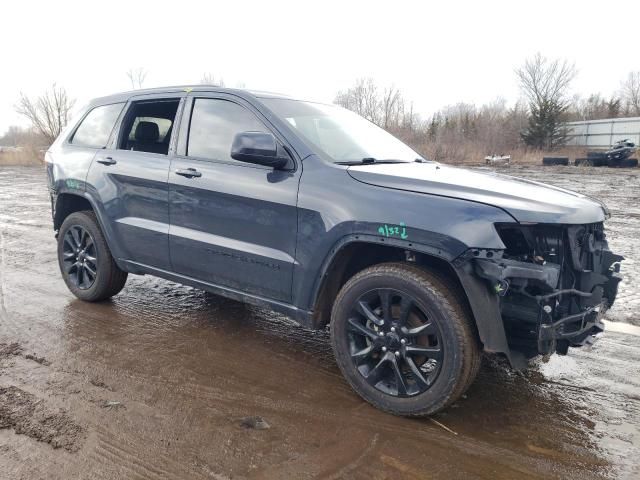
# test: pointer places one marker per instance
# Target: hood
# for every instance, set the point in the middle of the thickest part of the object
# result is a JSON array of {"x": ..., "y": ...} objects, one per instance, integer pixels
[{"x": 524, "y": 200}]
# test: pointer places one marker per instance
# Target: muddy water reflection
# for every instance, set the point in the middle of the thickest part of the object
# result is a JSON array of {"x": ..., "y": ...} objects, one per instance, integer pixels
[{"x": 223, "y": 358}]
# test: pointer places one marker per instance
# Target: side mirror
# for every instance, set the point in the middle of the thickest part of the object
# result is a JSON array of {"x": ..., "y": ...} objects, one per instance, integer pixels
[{"x": 259, "y": 148}]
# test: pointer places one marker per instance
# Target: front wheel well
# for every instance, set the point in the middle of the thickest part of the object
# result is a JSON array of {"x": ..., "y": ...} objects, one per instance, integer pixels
[
  {"x": 66, "y": 204},
  {"x": 355, "y": 257}
]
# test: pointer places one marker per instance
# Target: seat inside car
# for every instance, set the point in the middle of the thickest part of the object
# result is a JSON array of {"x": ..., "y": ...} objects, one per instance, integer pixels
[
  {"x": 148, "y": 126},
  {"x": 146, "y": 137}
]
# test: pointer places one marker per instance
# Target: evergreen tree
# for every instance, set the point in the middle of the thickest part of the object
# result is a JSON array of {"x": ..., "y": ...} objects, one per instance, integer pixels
[
  {"x": 545, "y": 129},
  {"x": 545, "y": 84}
]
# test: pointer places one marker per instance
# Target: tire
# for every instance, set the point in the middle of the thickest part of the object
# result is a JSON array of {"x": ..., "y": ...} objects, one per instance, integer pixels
[
  {"x": 108, "y": 280},
  {"x": 625, "y": 163},
  {"x": 602, "y": 156},
  {"x": 450, "y": 334},
  {"x": 583, "y": 162},
  {"x": 555, "y": 161}
]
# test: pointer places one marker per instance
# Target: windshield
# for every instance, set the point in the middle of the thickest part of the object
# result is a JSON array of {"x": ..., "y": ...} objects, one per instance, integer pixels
[{"x": 340, "y": 134}]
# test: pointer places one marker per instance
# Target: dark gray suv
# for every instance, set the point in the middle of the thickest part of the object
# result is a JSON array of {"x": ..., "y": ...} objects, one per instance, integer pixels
[{"x": 314, "y": 212}]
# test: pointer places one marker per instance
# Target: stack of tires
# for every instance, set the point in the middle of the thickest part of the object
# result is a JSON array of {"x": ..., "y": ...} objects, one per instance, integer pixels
[{"x": 603, "y": 159}]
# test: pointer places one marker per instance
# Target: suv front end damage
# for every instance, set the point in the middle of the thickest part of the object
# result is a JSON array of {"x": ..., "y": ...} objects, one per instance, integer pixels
[{"x": 554, "y": 282}]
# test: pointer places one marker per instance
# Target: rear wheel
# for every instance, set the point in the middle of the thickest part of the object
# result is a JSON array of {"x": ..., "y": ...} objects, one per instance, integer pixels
[
  {"x": 403, "y": 339},
  {"x": 85, "y": 261}
]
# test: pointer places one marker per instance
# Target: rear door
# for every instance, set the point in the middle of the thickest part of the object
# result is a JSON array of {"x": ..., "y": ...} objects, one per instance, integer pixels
[
  {"x": 233, "y": 224},
  {"x": 130, "y": 179}
]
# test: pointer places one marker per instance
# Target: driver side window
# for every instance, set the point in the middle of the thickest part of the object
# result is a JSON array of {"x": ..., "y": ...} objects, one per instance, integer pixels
[{"x": 214, "y": 124}]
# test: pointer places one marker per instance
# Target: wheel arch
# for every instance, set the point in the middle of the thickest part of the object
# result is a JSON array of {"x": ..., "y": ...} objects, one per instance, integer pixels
[
  {"x": 67, "y": 203},
  {"x": 354, "y": 253},
  {"x": 483, "y": 305}
]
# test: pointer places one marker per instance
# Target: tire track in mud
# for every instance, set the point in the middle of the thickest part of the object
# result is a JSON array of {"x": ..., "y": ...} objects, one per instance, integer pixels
[
  {"x": 360, "y": 417},
  {"x": 109, "y": 451},
  {"x": 357, "y": 420}
]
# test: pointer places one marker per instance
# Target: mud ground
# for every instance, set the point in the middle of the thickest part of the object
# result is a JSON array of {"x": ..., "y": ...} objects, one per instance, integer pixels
[{"x": 162, "y": 381}]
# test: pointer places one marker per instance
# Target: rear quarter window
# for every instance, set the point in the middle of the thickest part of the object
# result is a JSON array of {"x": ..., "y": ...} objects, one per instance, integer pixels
[{"x": 96, "y": 127}]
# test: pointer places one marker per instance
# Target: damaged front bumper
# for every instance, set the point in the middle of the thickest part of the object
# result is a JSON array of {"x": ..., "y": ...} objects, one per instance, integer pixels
[{"x": 549, "y": 306}]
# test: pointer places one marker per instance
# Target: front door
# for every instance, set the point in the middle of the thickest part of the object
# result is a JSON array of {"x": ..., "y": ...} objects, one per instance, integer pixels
[{"x": 233, "y": 224}]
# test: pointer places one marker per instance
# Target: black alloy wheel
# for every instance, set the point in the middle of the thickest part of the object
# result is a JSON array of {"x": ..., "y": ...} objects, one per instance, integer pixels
[
  {"x": 80, "y": 257},
  {"x": 404, "y": 338},
  {"x": 393, "y": 343},
  {"x": 85, "y": 260}
]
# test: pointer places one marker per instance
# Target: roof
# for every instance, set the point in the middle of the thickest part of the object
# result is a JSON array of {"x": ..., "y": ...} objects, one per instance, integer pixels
[
  {"x": 181, "y": 88},
  {"x": 606, "y": 120}
]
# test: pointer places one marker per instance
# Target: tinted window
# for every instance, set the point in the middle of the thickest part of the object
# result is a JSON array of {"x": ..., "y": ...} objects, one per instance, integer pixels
[
  {"x": 96, "y": 127},
  {"x": 214, "y": 123}
]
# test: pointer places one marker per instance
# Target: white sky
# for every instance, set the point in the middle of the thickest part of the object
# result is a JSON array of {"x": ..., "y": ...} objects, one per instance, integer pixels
[{"x": 437, "y": 52}]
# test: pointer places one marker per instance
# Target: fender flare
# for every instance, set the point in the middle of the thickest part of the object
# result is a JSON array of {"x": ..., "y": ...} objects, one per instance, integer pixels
[
  {"x": 484, "y": 304},
  {"x": 104, "y": 226},
  {"x": 346, "y": 240}
]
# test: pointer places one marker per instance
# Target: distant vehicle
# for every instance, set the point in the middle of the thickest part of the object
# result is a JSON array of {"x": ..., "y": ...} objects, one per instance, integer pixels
[
  {"x": 621, "y": 150},
  {"x": 492, "y": 159},
  {"x": 314, "y": 212}
]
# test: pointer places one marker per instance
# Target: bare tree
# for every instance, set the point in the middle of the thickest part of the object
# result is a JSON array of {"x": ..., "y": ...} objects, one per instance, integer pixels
[
  {"x": 386, "y": 108},
  {"x": 392, "y": 108},
  {"x": 595, "y": 107},
  {"x": 209, "y": 79},
  {"x": 137, "y": 77},
  {"x": 631, "y": 93},
  {"x": 545, "y": 83},
  {"x": 48, "y": 113},
  {"x": 543, "y": 80},
  {"x": 362, "y": 98}
]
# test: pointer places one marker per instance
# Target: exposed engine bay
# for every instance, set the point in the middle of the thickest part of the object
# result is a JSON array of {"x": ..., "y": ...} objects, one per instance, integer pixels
[{"x": 555, "y": 283}]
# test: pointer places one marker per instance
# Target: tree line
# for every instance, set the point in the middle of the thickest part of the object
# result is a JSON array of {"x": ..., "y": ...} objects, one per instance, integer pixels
[
  {"x": 535, "y": 121},
  {"x": 48, "y": 113},
  {"x": 453, "y": 133}
]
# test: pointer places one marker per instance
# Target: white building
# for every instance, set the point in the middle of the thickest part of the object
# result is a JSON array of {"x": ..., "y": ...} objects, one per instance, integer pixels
[{"x": 604, "y": 133}]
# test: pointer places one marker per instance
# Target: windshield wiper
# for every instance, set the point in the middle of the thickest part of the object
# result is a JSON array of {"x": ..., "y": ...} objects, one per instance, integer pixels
[{"x": 369, "y": 161}]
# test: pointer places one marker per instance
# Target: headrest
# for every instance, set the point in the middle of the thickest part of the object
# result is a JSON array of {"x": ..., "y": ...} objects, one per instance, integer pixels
[{"x": 147, "y": 132}]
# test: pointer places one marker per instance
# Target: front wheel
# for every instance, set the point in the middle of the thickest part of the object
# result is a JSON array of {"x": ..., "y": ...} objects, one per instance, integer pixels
[
  {"x": 85, "y": 261},
  {"x": 404, "y": 339}
]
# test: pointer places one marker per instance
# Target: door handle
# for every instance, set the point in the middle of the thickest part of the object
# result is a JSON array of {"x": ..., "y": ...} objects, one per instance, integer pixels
[
  {"x": 107, "y": 161},
  {"x": 188, "y": 172}
]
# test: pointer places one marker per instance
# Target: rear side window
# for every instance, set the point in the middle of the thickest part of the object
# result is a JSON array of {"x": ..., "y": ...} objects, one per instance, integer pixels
[
  {"x": 214, "y": 123},
  {"x": 148, "y": 126},
  {"x": 95, "y": 128}
]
